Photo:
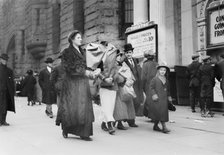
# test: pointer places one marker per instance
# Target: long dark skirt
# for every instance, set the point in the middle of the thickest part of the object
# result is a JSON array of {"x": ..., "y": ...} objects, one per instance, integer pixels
[{"x": 75, "y": 107}]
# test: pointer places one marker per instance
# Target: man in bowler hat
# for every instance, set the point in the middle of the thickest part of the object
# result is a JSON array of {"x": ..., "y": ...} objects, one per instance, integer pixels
[
  {"x": 49, "y": 95},
  {"x": 194, "y": 84},
  {"x": 7, "y": 89},
  {"x": 136, "y": 71}
]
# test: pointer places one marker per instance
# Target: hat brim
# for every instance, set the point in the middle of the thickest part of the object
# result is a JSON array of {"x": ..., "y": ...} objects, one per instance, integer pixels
[
  {"x": 4, "y": 58},
  {"x": 49, "y": 62},
  {"x": 128, "y": 49},
  {"x": 167, "y": 68}
]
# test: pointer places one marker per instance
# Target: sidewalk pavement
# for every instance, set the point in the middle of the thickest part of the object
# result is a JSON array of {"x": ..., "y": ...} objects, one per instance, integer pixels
[{"x": 31, "y": 132}]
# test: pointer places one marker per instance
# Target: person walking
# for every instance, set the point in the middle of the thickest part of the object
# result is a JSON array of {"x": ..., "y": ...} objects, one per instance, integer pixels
[
  {"x": 207, "y": 80},
  {"x": 48, "y": 92},
  {"x": 29, "y": 86},
  {"x": 7, "y": 90},
  {"x": 158, "y": 109},
  {"x": 75, "y": 98},
  {"x": 219, "y": 72},
  {"x": 124, "y": 107},
  {"x": 136, "y": 71},
  {"x": 37, "y": 89},
  {"x": 149, "y": 71},
  {"x": 194, "y": 84},
  {"x": 108, "y": 86},
  {"x": 57, "y": 77}
]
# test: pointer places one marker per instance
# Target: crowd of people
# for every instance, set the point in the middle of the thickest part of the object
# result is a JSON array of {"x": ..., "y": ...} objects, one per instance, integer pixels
[
  {"x": 202, "y": 78},
  {"x": 126, "y": 88}
]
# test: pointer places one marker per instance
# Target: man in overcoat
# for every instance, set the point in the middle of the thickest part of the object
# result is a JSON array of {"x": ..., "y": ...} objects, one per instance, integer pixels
[
  {"x": 194, "y": 84},
  {"x": 49, "y": 96},
  {"x": 207, "y": 82},
  {"x": 149, "y": 71},
  {"x": 136, "y": 71},
  {"x": 7, "y": 89},
  {"x": 219, "y": 72},
  {"x": 57, "y": 76}
]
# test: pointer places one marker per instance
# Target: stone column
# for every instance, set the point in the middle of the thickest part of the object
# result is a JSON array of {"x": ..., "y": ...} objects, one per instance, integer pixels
[
  {"x": 157, "y": 14},
  {"x": 140, "y": 11},
  {"x": 187, "y": 31}
]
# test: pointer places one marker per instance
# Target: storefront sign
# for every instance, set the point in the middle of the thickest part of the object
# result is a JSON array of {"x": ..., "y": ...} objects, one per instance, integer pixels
[
  {"x": 143, "y": 40},
  {"x": 216, "y": 27}
]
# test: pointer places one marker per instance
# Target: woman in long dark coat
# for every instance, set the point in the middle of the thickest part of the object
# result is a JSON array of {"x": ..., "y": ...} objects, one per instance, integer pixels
[
  {"x": 158, "y": 109},
  {"x": 29, "y": 86},
  {"x": 75, "y": 106}
]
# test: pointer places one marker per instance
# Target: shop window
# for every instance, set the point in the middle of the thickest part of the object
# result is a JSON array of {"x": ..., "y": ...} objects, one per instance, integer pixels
[{"x": 126, "y": 16}]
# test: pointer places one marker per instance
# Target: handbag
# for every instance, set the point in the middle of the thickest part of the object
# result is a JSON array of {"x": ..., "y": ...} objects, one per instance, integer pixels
[
  {"x": 127, "y": 93},
  {"x": 171, "y": 106}
]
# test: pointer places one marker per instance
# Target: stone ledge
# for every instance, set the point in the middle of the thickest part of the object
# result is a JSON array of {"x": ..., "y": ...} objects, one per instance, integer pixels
[{"x": 37, "y": 50}]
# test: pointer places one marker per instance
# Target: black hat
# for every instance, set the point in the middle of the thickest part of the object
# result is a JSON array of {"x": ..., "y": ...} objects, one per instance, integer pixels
[
  {"x": 4, "y": 56},
  {"x": 30, "y": 72},
  {"x": 194, "y": 56},
  {"x": 49, "y": 60},
  {"x": 128, "y": 47}
]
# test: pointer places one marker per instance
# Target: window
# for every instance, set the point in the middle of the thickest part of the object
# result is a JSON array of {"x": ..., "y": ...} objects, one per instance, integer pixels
[
  {"x": 126, "y": 16},
  {"x": 38, "y": 16}
]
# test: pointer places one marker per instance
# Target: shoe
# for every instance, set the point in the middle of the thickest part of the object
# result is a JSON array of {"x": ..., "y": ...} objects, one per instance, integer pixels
[
  {"x": 103, "y": 126},
  {"x": 165, "y": 130},
  {"x": 211, "y": 114},
  {"x": 39, "y": 103},
  {"x": 5, "y": 124},
  {"x": 86, "y": 138},
  {"x": 156, "y": 128},
  {"x": 133, "y": 125},
  {"x": 193, "y": 110},
  {"x": 120, "y": 126},
  {"x": 47, "y": 113},
  {"x": 64, "y": 134},
  {"x": 111, "y": 129},
  {"x": 51, "y": 115},
  {"x": 32, "y": 103}
]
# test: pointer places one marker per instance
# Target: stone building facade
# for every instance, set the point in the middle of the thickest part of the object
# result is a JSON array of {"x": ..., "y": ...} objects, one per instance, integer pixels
[{"x": 32, "y": 30}]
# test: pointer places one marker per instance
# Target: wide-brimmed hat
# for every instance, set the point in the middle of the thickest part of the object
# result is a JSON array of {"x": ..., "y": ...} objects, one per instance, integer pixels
[
  {"x": 92, "y": 47},
  {"x": 194, "y": 56},
  {"x": 49, "y": 60},
  {"x": 163, "y": 65},
  {"x": 4, "y": 56},
  {"x": 205, "y": 58},
  {"x": 128, "y": 47}
]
